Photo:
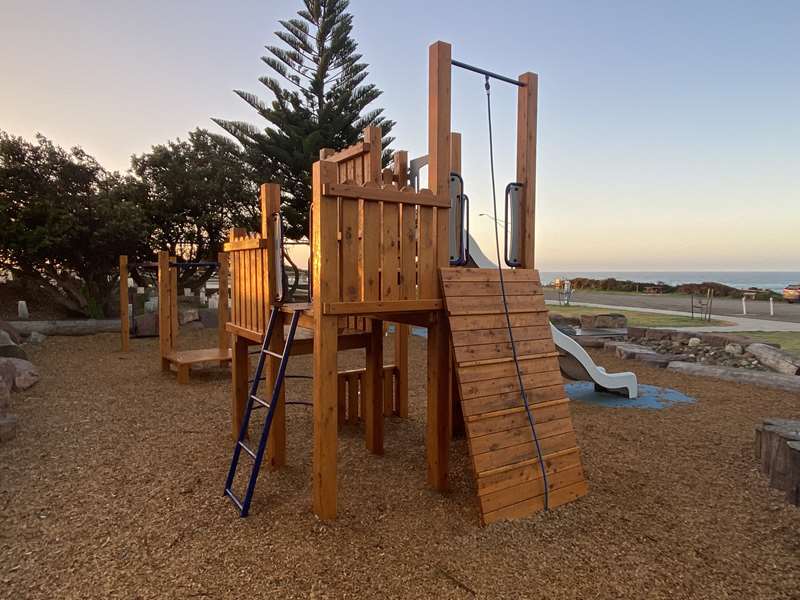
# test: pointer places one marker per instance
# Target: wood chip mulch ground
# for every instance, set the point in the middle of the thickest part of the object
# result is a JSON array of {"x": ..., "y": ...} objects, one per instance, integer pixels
[{"x": 112, "y": 489}]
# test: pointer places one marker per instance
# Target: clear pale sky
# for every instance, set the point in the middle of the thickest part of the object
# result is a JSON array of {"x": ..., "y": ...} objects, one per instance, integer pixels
[{"x": 669, "y": 132}]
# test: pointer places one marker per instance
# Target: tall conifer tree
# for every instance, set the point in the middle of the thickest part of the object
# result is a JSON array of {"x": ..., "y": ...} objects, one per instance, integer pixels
[{"x": 320, "y": 101}]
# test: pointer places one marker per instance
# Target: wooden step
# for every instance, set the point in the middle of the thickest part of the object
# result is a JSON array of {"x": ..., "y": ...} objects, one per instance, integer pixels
[{"x": 505, "y": 458}]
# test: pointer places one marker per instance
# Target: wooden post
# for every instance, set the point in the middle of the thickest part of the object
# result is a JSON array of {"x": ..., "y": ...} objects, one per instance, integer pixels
[
  {"x": 224, "y": 340},
  {"x": 124, "y": 321},
  {"x": 276, "y": 443},
  {"x": 173, "y": 305},
  {"x": 240, "y": 370},
  {"x": 438, "y": 412},
  {"x": 164, "y": 308},
  {"x": 326, "y": 289},
  {"x": 373, "y": 389},
  {"x": 527, "y": 98},
  {"x": 438, "y": 425}
]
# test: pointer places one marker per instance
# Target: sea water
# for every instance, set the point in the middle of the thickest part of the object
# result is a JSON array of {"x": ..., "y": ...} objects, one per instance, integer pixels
[{"x": 771, "y": 280}]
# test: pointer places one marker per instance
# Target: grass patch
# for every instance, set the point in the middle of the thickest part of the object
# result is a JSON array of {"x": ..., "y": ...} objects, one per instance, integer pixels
[
  {"x": 636, "y": 318},
  {"x": 789, "y": 340}
]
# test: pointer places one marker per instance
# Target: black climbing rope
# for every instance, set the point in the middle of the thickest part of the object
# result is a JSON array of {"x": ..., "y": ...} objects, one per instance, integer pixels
[{"x": 531, "y": 419}]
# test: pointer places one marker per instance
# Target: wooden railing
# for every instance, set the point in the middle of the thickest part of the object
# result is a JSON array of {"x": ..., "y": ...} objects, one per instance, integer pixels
[
  {"x": 386, "y": 244},
  {"x": 249, "y": 263}
]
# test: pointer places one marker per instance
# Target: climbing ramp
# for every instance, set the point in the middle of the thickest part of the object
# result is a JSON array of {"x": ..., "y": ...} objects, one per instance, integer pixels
[{"x": 504, "y": 455}]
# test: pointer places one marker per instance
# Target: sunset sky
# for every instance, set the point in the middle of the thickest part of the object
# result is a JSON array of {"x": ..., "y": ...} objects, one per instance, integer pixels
[{"x": 669, "y": 132}]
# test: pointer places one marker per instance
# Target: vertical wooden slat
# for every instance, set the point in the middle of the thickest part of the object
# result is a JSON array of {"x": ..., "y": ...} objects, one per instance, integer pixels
[
  {"x": 372, "y": 160},
  {"x": 124, "y": 320},
  {"x": 351, "y": 170},
  {"x": 224, "y": 341},
  {"x": 326, "y": 289},
  {"x": 370, "y": 255},
  {"x": 350, "y": 272},
  {"x": 428, "y": 278},
  {"x": 527, "y": 98},
  {"x": 358, "y": 163},
  {"x": 408, "y": 233},
  {"x": 390, "y": 252}
]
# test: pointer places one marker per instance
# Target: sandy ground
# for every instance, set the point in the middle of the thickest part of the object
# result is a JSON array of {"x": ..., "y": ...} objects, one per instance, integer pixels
[{"x": 112, "y": 489}]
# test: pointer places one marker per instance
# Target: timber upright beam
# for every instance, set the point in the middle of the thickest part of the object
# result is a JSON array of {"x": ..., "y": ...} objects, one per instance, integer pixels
[
  {"x": 164, "y": 309},
  {"x": 438, "y": 412},
  {"x": 326, "y": 289},
  {"x": 124, "y": 320},
  {"x": 276, "y": 442},
  {"x": 527, "y": 98}
]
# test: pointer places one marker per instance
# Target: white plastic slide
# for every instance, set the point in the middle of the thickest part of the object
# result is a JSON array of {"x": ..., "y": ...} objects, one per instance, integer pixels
[{"x": 583, "y": 367}]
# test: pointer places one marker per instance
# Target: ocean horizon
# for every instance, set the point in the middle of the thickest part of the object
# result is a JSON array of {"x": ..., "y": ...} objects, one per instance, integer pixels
[{"x": 771, "y": 280}]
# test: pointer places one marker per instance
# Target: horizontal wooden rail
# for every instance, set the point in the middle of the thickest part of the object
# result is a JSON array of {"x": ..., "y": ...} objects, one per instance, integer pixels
[
  {"x": 388, "y": 306},
  {"x": 350, "y": 152},
  {"x": 246, "y": 244},
  {"x": 384, "y": 194}
]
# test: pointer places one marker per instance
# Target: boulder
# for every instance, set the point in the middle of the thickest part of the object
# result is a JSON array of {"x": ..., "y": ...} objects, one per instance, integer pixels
[
  {"x": 188, "y": 315},
  {"x": 12, "y": 351},
  {"x": 22, "y": 310},
  {"x": 694, "y": 342},
  {"x": 604, "y": 321},
  {"x": 628, "y": 351},
  {"x": 5, "y": 339},
  {"x": 145, "y": 325},
  {"x": 735, "y": 349},
  {"x": 25, "y": 373},
  {"x": 775, "y": 358},
  {"x": 11, "y": 331},
  {"x": 637, "y": 332},
  {"x": 659, "y": 334},
  {"x": 36, "y": 338},
  {"x": 209, "y": 318}
]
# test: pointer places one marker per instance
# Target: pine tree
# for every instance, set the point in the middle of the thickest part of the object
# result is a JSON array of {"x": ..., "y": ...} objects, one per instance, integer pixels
[{"x": 324, "y": 105}]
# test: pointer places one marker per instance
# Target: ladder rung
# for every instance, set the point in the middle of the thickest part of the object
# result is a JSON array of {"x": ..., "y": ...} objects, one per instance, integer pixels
[
  {"x": 275, "y": 354},
  {"x": 254, "y": 352},
  {"x": 229, "y": 493},
  {"x": 255, "y": 398},
  {"x": 246, "y": 449}
]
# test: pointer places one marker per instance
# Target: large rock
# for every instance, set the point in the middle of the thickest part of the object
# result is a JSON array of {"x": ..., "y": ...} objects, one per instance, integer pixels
[
  {"x": 145, "y": 325},
  {"x": 188, "y": 315},
  {"x": 604, "y": 321},
  {"x": 36, "y": 338},
  {"x": 25, "y": 373},
  {"x": 11, "y": 331},
  {"x": 12, "y": 351},
  {"x": 209, "y": 318},
  {"x": 790, "y": 383}
]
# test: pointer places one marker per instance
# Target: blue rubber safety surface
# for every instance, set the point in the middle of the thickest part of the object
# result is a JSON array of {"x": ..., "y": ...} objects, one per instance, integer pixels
[{"x": 650, "y": 397}]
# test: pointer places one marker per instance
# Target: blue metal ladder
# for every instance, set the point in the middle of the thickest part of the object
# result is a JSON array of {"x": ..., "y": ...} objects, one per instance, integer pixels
[{"x": 255, "y": 403}]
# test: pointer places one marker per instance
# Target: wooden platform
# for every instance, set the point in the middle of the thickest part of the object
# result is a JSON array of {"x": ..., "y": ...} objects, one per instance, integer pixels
[
  {"x": 184, "y": 359},
  {"x": 504, "y": 457}
]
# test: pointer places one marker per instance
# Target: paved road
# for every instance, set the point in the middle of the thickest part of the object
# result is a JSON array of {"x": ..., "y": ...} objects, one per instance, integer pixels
[{"x": 721, "y": 307}]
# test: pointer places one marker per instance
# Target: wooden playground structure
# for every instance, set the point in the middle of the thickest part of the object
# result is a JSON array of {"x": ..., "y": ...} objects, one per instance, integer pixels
[
  {"x": 168, "y": 315},
  {"x": 381, "y": 252}
]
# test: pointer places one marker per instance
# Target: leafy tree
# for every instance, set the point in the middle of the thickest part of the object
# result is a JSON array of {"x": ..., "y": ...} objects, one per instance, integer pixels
[
  {"x": 196, "y": 191},
  {"x": 64, "y": 220},
  {"x": 323, "y": 107}
]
